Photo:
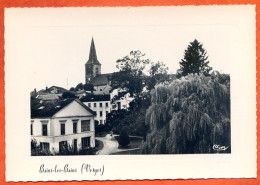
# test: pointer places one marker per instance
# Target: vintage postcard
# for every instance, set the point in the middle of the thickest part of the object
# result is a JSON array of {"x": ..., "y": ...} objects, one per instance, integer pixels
[{"x": 130, "y": 93}]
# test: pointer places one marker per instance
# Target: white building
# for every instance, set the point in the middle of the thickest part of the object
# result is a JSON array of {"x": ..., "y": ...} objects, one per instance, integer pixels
[
  {"x": 104, "y": 104},
  {"x": 100, "y": 104},
  {"x": 57, "y": 124}
]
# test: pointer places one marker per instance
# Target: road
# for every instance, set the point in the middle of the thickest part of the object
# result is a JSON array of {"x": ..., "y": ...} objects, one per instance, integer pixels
[{"x": 110, "y": 145}]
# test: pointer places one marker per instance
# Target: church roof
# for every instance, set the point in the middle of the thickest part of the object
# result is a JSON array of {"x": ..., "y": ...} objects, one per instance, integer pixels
[
  {"x": 92, "y": 54},
  {"x": 101, "y": 79}
]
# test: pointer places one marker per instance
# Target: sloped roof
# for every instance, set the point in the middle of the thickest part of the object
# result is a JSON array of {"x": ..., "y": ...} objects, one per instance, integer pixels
[
  {"x": 101, "y": 79},
  {"x": 92, "y": 98},
  {"x": 92, "y": 54},
  {"x": 48, "y": 109},
  {"x": 48, "y": 90},
  {"x": 48, "y": 96}
]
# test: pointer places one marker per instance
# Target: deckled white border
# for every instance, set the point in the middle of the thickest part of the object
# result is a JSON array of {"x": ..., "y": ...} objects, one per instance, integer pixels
[{"x": 20, "y": 166}]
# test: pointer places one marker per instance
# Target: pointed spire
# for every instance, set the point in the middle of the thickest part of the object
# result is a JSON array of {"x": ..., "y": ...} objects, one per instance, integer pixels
[{"x": 92, "y": 54}]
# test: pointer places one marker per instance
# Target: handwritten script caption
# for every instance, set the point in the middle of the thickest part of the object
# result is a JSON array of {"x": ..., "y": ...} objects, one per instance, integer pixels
[{"x": 84, "y": 169}]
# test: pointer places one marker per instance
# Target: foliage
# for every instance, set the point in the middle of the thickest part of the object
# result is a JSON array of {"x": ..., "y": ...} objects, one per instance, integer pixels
[
  {"x": 79, "y": 87},
  {"x": 133, "y": 118},
  {"x": 70, "y": 150},
  {"x": 195, "y": 60},
  {"x": 133, "y": 63},
  {"x": 36, "y": 149},
  {"x": 189, "y": 115},
  {"x": 72, "y": 89},
  {"x": 67, "y": 150},
  {"x": 123, "y": 138},
  {"x": 101, "y": 129},
  {"x": 158, "y": 73},
  {"x": 130, "y": 73},
  {"x": 131, "y": 76},
  {"x": 88, "y": 87},
  {"x": 68, "y": 94}
]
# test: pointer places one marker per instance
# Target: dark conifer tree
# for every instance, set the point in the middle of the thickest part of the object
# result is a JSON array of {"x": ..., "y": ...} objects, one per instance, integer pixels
[{"x": 195, "y": 60}]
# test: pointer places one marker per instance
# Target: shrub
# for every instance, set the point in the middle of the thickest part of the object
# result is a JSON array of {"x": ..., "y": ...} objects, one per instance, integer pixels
[
  {"x": 36, "y": 149},
  {"x": 123, "y": 138}
]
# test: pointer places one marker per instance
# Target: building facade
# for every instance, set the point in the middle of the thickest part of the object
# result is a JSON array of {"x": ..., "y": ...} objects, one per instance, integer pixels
[
  {"x": 100, "y": 104},
  {"x": 57, "y": 126}
]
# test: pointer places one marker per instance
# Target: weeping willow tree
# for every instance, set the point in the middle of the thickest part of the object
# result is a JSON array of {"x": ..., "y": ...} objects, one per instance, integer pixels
[{"x": 189, "y": 115}]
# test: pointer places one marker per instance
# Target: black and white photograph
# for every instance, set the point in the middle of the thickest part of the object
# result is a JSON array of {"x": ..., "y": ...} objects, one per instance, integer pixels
[
  {"x": 143, "y": 84},
  {"x": 132, "y": 112}
]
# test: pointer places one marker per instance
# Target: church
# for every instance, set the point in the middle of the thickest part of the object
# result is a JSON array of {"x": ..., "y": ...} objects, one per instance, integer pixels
[
  {"x": 101, "y": 101},
  {"x": 101, "y": 82}
]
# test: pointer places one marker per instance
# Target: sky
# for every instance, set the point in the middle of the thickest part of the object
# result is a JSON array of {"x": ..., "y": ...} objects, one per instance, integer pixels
[{"x": 50, "y": 46}]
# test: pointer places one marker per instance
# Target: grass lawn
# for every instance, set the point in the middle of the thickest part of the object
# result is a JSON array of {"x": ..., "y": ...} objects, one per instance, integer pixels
[
  {"x": 129, "y": 152},
  {"x": 135, "y": 142}
]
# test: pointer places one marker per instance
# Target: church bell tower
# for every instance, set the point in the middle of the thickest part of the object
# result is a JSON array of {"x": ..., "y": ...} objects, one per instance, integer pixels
[{"x": 93, "y": 66}]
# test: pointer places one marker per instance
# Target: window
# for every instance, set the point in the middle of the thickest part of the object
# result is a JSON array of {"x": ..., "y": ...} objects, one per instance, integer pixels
[
  {"x": 85, "y": 125},
  {"x": 106, "y": 104},
  {"x": 75, "y": 145},
  {"x": 44, "y": 146},
  {"x": 95, "y": 105},
  {"x": 85, "y": 142},
  {"x": 100, "y": 89},
  {"x": 31, "y": 129},
  {"x": 89, "y": 104},
  {"x": 44, "y": 130},
  {"x": 63, "y": 147},
  {"x": 100, "y": 104},
  {"x": 101, "y": 113},
  {"x": 101, "y": 122},
  {"x": 106, "y": 112},
  {"x": 62, "y": 129},
  {"x": 75, "y": 126}
]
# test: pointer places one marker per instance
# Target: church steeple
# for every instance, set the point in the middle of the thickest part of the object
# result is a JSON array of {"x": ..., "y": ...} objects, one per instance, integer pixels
[
  {"x": 92, "y": 67},
  {"x": 92, "y": 54}
]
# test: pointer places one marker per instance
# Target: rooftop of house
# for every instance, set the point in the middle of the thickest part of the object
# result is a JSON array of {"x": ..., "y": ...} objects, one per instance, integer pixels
[
  {"x": 53, "y": 90},
  {"x": 48, "y": 96},
  {"x": 93, "y": 98},
  {"x": 47, "y": 109}
]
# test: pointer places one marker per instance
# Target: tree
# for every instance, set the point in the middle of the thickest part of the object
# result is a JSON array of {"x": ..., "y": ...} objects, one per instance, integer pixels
[
  {"x": 130, "y": 73},
  {"x": 123, "y": 138},
  {"x": 131, "y": 76},
  {"x": 72, "y": 89},
  {"x": 79, "y": 87},
  {"x": 189, "y": 115},
  {"x": 195, "y": 60},
  {"x": 88, "y": 87},
  {"x": 158, "y": 73},
  {"x": 68, "y": 94}
]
